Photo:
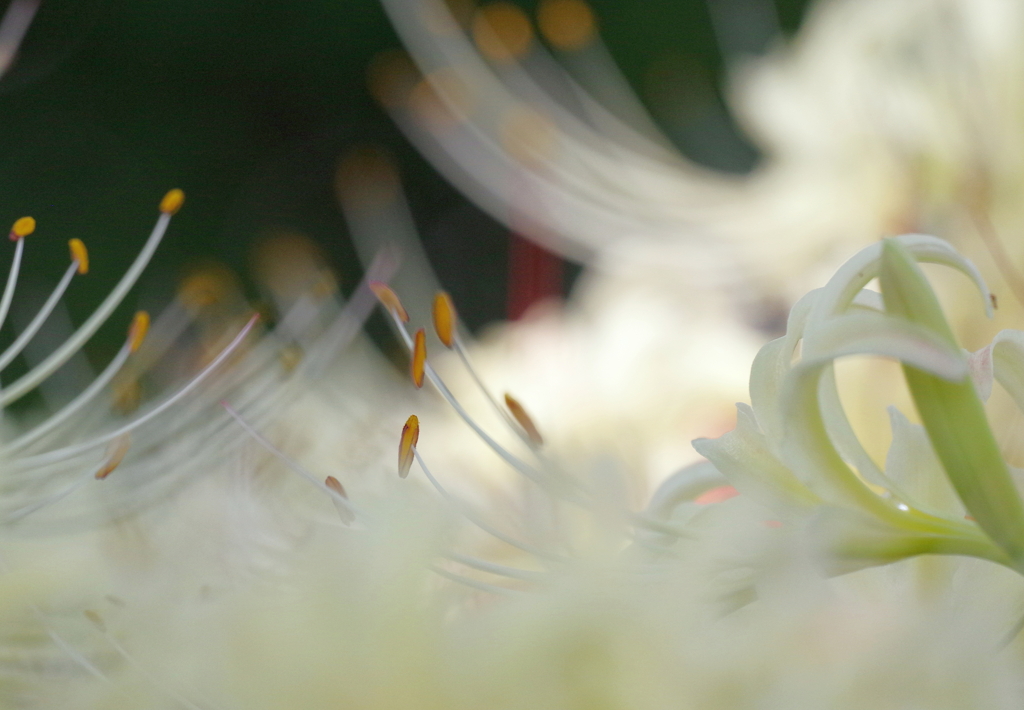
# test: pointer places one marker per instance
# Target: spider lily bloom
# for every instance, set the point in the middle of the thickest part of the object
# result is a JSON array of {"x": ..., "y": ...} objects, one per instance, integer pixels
[{"x": 945, "y": 489}]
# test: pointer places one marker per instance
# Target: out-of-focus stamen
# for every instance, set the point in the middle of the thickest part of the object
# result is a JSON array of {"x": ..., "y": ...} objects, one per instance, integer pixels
[
  {"x": 98, "y": 622},
  {"x": 137, "y": 331},
  {"x": 523, "y": 419},
  {"x": 389, "y": 299},
  {"x": 466, "y": 511},
  {"x": 344, "y": 513},
  {"x": 67, "y": 452},
  {"x": 116, "y": 451},
  {"x": 407, "y": 445},
  {"x": 78, "y": 402},
  {"x": 295, "y": 466}
]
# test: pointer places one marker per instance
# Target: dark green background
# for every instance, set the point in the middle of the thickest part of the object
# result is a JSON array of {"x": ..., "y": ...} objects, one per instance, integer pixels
[{"x": 246, "y": 106}]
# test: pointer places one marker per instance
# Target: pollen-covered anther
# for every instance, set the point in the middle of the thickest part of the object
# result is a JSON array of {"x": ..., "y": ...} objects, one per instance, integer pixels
[
  {"x": 410, "y": 435},
  {"x": 79, "y": 254},
  {"x": 389, "y": 299},
  {"x": 138, "y": 329},
  {"x": 444, "y": 318},
  {"x": 419, "y": 357},
  {"x": 172, "y": 201},
  {"x": 523, "y": 419},
  {"x": 22, "y": 228},
  {"x": 116, "y": 451}
]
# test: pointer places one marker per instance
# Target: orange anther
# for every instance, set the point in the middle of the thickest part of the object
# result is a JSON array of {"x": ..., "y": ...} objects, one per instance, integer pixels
[
  {"x": 22, "y": 228},
  {"x": 80, "y": 254},
  {"x": 172, "y": 201},
  {"x": 419, "y": 357},
  {"x": 138, "y": 329},
  {"x": 410, "y": 435},
  {"x": 389, "y": 299},
  {"x": 524, "y": 420},
  {"x": 444, "y": 318}
]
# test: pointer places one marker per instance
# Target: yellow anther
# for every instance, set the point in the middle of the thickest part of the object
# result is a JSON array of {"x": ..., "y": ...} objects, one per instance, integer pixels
[
  {"x": 172, "y": 201},
  {"x": 419, "y": 357},
  {"x": 22, "y": 228},
  {"x": 567, "y": 25},
  {"x": 80, "y": 254},
  {"x": 389, "y": 299},
  {"x": 444, "y": 318},
  {"x": 137, "y": 331},
  {"x": 523, "y": 419},
  {"x": 502, "y": 32},
  {"x": 410, "y": 435},
  {"x": 116, "y": 451}
]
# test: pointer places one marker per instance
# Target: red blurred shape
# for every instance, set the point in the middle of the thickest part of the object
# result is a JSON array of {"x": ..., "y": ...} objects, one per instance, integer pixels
[{"x": 534, "y": 274}]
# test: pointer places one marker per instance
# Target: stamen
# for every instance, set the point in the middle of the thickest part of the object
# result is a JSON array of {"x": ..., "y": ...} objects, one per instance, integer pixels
[
  {"x": 294, "y": 465},
  {"x": 116, "y": 451},
  {"x": 57, "y": 358},
  {"x": 419, "y": 358},
  {"x": 523, "y": 419},
  {"x": 22, "y": 228},
  {"x": 389, "y": 299},
  {"x": 344, "y": 513},
  {"x": 37, "y": 322},
  {"x": 495, "y": 568},
  {"x": 444, "y": 318},
  {"x": 137, "y": 331},
  {"x": 49, "y": 457},
  {"x": 407, "y": 445},
  {"x": 482, "y": 586},
  {"x": 97, "y": 621},
  {"x": 80, "y": 255},
  {"x": 466, "y": 511},
  {"x": 12, "y": 280}
]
